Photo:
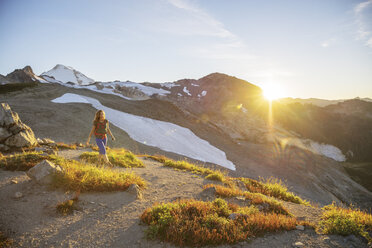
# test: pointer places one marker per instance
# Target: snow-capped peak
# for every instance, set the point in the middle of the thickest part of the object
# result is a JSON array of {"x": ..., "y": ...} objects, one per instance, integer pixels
[{"x": 65, "y": 74}]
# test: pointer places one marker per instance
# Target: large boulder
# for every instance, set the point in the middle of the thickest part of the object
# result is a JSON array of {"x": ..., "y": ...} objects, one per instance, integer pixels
[
  {"x": 135, "y": 189},
  {"x": 22, "y": 139},
  {"x": 14, "y": 133},
  {"x": 44, "y": 171}
]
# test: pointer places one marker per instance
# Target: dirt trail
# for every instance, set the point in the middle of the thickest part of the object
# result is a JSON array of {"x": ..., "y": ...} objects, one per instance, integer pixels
[{"x": 112, "y": 219}]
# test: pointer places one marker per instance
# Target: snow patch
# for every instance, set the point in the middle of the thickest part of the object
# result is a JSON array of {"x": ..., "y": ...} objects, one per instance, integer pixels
[
  {"x": 70, "y": 98},
  {"x": 195, "y": 85},
  {"x": 329, "y": 151},
  {"x": 186, "y": 91},
  {"x": 41, "y": 80},
  {"x": 164, "y": 135},
  {"x": 204, "y": 93},
  {"x": 169, "y": 85}
]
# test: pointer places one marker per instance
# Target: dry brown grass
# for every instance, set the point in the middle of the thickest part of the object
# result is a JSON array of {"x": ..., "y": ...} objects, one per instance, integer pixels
[{"x": 196, "y": 223}]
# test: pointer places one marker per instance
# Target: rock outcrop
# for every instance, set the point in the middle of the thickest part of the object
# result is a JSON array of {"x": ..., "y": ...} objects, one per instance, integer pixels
[{"x": 14, "y": 133}]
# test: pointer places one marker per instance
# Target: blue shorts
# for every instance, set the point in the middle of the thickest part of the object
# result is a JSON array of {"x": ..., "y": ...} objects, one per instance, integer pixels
[{"x": 101, "y": 143}]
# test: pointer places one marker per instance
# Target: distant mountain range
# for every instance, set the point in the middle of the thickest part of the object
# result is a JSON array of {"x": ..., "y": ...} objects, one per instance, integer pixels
[{"x": 318, "y": 102}]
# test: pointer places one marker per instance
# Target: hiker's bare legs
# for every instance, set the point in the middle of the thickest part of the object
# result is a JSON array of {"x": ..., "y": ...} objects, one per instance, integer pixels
[
  {"x": 107, "y": 160},
  {"x": 100, "y": 159}
]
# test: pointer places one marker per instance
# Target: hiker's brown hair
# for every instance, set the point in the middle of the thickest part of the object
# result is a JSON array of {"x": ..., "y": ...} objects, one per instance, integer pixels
[{"x": 96, "y": 117}]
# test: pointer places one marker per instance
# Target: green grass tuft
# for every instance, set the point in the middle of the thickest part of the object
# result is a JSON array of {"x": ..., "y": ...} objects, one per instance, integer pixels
[
  {"x": 216, "y": 176},
  {"x": 272, "y": 187},
  {"x": 21, "y": 161},
  {"x": 84, "y": 177},
  {"x": 186, "y": 166},
  {"x": 268, "y": 204},
  {"x": 337, "y": 220},
  {"x": 196, "y": 223},
  {"x": 118, "y": 157}
]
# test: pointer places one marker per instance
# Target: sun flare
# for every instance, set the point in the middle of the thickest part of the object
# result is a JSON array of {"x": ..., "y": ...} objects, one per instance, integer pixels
[{"x": 273, "y": 92}]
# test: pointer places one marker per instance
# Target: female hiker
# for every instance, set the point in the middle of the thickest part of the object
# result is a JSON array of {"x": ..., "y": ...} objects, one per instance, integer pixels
[{"x": 100, "y": 129}]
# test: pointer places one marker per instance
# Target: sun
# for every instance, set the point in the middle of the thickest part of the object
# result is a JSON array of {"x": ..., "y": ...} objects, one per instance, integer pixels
[{"x": 273, "y": 92}]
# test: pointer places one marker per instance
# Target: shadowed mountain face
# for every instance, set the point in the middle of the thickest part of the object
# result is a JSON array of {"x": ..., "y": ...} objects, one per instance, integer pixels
[
  {"x": 212, "y": 93},
  {"x": 18, "y": 79},
  {"x": 346, "y": 125},
  {"x": 25, "y": 75}
]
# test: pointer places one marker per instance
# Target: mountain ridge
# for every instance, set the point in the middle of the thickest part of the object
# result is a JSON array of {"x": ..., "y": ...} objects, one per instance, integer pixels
[{"x": 241, "y": 131}]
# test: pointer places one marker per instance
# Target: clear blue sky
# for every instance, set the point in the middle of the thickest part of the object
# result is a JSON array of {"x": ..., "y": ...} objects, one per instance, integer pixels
[{"x": 318, "y": 48}]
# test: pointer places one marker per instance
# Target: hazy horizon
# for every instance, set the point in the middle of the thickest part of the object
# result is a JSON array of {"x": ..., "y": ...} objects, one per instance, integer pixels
[{"x": 307, "y": 49}]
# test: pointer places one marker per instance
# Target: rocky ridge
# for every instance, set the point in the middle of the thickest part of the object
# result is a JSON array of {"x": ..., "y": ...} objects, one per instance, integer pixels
[{"x": 25, "y": 75}]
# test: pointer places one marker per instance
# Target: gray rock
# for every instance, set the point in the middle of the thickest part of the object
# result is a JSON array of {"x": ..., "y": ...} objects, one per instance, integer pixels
[
  {"x": 209, "y": 193},
  {"x": 22, "y": 139},
  {"x": 43, "y": 172},
  {"x": 4, "y": 134},
  {"x": 300, "y": 227},
  {"x": 7, "y": 116},
  {"x": 18, "y": 195},
  {"x": 99, "y": 86},
  {"x": 135, "y": 189},
  {"x": 4, "y": 147},
  {"x": 233, "y": 216},
  {"x": 263, "y": 207},
  {"x": 298, "y": 244}
]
